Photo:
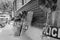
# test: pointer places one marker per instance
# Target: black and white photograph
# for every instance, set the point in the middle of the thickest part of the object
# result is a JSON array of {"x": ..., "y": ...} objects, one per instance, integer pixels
[{"x": 29, "y": 20}]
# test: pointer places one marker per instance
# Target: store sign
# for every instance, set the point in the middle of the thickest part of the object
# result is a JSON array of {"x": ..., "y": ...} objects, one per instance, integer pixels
[{"x": 52, "y": 31}]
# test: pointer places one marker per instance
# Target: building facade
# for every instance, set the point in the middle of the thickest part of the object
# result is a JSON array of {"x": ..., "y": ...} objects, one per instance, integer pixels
[{"x": 39, "y": 16}]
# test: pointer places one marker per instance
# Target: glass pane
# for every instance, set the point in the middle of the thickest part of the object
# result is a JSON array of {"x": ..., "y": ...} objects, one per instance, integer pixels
[{"x": 39, "y": 18}]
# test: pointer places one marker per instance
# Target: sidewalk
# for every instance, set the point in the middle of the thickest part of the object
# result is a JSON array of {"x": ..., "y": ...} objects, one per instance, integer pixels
[
  {"x": 34, "y": 33},
  {"x": 8, "y": 34}
]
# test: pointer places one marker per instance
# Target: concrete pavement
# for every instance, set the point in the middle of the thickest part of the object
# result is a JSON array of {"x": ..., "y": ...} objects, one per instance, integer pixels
[
  {"x": 7, "y": 33},
  {"x": 34, "y": 33},
  {"x": 31, "y": 34}
]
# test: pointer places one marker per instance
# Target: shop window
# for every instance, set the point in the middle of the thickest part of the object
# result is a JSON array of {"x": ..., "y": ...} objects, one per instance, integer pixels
[{"x": 39, "y": 18}]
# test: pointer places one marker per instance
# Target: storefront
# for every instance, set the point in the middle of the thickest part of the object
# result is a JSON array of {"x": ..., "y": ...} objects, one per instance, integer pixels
[{"x": 38, "y": 17}]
